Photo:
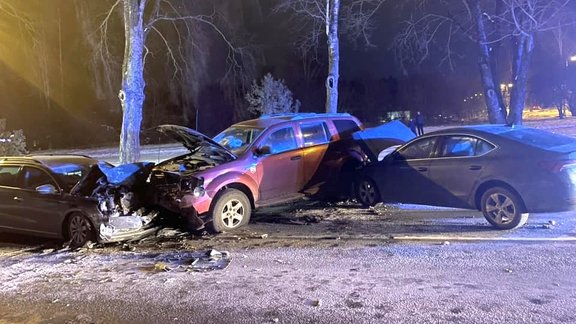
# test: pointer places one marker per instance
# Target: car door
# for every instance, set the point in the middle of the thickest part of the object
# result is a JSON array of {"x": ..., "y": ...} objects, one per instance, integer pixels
[
  {"x": 406, "y": 176},
  {"x": 319, "y": 163},
  {"x": 8, "y": 196},
  {"x": 280, "y": 162},
  {"x": 36, "y": 212},
  {"x": 458, "y": 167}
]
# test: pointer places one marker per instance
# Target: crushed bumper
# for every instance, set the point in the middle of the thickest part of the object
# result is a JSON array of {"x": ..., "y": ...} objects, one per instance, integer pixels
[{"x": 125, "y": 228}]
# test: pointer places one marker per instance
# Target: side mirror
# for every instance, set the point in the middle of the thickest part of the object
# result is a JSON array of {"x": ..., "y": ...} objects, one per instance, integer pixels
[
  {"x": 387, "y": 152},
  {"x": 264, "y": 150},
  {"x": 47, "y": 189}
]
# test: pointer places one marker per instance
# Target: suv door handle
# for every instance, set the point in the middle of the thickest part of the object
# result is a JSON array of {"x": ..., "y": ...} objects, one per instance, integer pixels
[
  {"x": 475, "y": 167},
  {"x": 422, "y": 169},
  {"x": 18, "y": 199},
  {"x": 296, "y": 157}
]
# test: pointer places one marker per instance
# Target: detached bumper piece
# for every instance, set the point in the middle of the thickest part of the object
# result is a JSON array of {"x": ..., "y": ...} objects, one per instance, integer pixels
[{"x": 126, "y": 228}]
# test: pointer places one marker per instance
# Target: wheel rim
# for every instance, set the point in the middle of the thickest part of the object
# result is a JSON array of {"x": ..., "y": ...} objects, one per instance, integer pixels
[
  {"x": 79, "y": 230},
  {"x": 366, "y": 192},
  {"x": 232, "y": 213},
  {"x": 500, "y": 208}
]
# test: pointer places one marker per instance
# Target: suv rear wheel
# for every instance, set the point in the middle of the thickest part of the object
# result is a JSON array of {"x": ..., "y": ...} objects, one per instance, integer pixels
[{"x": 231, "y": 211}]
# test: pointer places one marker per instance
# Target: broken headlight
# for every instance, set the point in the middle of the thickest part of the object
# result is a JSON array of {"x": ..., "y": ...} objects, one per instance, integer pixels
[{"x": 198, "y": 191}]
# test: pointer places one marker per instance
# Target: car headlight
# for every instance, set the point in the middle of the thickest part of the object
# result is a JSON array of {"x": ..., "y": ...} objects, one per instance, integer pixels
[{"x": 198, "y": 192}]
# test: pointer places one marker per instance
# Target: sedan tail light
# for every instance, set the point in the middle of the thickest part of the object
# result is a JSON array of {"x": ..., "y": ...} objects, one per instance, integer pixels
[{"x": 558, "y": 166}]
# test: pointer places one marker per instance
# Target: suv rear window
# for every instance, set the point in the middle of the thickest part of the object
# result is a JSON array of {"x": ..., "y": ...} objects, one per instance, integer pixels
[
  {"x": 314, "y": 133},
  {"x": 345, "y": 127}
]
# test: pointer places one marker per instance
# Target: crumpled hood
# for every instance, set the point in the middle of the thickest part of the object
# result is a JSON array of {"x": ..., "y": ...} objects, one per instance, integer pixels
[
  {"x": 128, "y": 175},
  {"x": 193, "y": 140}
]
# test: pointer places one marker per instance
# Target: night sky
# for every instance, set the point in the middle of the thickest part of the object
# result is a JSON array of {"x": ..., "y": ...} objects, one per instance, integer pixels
[{"x": 55, "y": 86}]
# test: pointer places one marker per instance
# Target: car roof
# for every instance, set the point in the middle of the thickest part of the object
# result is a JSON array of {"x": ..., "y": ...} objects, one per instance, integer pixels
[
  {"x": 49, "y": 160},
  {"x": 483, "y": 128},
  {"x": 269, "y": 120}
]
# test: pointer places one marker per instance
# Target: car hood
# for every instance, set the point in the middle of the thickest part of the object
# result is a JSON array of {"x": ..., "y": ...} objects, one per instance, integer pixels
[
  {"x": 193, "y": 140},
  {"x": 130, "y": 176},
  {"x": 376, "y": 139}
]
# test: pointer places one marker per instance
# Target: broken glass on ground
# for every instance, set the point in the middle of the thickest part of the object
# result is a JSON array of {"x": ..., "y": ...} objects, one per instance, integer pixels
[
  {"x": 184, "y": 261},
  {"x": 285, "y": 219}
]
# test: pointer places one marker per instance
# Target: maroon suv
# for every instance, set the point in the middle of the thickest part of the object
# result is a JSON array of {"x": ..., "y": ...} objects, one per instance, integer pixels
[{"x": 265, "y": 161}]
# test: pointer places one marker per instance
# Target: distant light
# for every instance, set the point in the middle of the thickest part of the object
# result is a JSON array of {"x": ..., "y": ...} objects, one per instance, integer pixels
[
  {"x": 510, "y": 85},
  {"x": 573, "y": 58}
]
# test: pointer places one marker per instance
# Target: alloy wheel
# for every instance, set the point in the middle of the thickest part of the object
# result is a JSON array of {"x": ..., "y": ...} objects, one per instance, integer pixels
[
  {"x": 78, "y": 230},
  {"x": 233, "y": 213},
  {"x": 367, "y": 193},
  {"x": 500, "y": 208}
]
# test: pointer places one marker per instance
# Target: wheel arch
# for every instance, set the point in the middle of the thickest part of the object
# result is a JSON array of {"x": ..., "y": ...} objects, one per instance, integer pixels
[
  {"x": 67, "y": 218},
  {"x": 491, "y": 184},
  {"x": 238, "y": 186}
]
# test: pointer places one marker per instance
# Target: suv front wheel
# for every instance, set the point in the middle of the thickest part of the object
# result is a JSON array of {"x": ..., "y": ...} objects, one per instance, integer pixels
[{"x": 231, "y": 211}]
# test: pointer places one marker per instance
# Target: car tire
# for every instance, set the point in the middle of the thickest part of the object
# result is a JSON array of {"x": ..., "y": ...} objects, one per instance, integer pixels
[
  {"x": 231, "y": 211},
  {"x": 367, "y": 193},
  {"x": 503, "y": 208},
  {"x": 78, "y": 230}
]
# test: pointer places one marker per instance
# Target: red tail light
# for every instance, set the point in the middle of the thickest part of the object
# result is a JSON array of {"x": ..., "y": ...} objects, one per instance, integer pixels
[{"x": 557, "y": 166}]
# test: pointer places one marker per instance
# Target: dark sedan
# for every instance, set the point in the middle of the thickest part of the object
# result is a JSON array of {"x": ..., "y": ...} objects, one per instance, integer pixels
[
  {"x": 70, "y": 197},
  {"x": 504, "y": 171}
]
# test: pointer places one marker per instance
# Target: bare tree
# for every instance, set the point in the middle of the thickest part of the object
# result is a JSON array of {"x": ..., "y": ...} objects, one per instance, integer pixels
[
  {"x": 141, "y": 18},
  {"x": 315, "y": 18},
  {"x": 434, "y": 31}
]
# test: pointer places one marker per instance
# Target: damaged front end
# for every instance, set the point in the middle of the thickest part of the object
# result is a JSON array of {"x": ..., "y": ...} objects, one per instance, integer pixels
[
  {"x": 122, "y": 197},
  {"x": 177, "y": 192}
]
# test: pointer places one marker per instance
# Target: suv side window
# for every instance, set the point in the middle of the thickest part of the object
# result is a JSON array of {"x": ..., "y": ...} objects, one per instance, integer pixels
[
  {"x": 314, "y": 133},
  {"x": 34, "y": 178},
  {"x": 9, "y": 176},
  {"x": 345, "y": 127},
  {"x": 281, "y": 140}
]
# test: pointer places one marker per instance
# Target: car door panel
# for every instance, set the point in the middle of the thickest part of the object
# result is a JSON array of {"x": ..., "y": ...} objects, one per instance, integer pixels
[
  {"x": 406, "y": 174},
  {"x": 408, "y": 182},
  {"x": 9, "y": 206},
  {"x": 321, "y": 158},
  {"x": 281, "y": 174},
  {"x": 40, "y": 213},
  {"x": 9, "y": 201},
  {"x": 35, "y": 212},
  {"x": 457, "y": 170},
  {"x": 281, "y": 167}
]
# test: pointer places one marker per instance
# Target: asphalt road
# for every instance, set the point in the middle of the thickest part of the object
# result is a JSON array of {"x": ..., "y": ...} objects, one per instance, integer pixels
[{"x": 308, "y": 263}]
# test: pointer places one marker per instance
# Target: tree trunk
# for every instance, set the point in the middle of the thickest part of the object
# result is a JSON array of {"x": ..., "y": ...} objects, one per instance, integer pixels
[
  {"x": 332, "y": 10},
  {"x": 492, "y": 94},
  {"x": 132, "y": 93},
  {"x": 522, "y": 58}
]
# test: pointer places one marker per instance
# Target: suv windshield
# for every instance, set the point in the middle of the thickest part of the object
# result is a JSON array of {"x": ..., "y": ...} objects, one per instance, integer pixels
[{"x": 237, "y": 139}]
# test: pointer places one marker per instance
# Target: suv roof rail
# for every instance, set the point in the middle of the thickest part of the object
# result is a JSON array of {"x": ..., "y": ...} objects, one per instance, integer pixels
[
  {"x": 296, "y": 116},
  {"x": 58, "y": 154},
  {"x": 18, "y": 159}
]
